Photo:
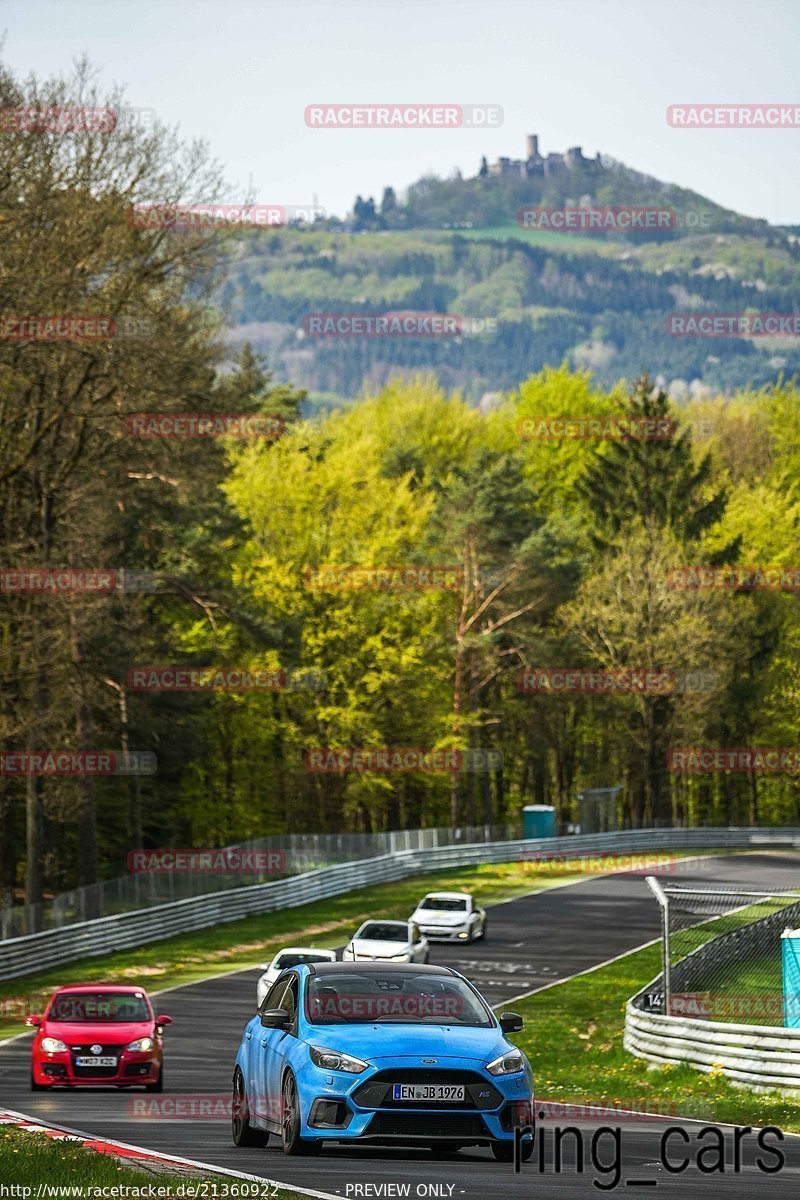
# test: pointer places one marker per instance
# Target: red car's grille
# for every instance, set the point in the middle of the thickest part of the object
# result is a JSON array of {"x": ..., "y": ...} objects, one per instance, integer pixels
[{"x": 106, "y": 1051}]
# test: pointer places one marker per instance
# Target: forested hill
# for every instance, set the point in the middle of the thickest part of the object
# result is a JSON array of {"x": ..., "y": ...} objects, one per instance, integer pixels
[{"x": 591, "y": 299}]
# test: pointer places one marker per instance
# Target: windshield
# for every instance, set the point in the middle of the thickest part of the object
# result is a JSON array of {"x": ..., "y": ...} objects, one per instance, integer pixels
[
  {"x": 295, "y": 960},
  {"x": 403, "y": 998},
  {"x": 375, "y": 932},
  {"x": 443, "y": 904},
  {"x": 99, "y": 1006}
]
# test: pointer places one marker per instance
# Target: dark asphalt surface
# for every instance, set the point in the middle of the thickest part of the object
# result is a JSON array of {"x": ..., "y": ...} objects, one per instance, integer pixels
[{"x": 531, "y": 942}]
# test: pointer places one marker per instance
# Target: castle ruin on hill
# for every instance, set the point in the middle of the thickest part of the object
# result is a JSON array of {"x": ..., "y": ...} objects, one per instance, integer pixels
[{"x": 538, "y": 165}]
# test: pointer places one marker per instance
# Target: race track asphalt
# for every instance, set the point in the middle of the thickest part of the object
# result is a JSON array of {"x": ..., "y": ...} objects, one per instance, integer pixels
[{"x": 532, "y": 941}]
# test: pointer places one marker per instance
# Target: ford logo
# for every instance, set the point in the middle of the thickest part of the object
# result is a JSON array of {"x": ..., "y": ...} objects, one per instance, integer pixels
[
  {"x": 95, "y": 1049},
  {"x": 429, "y": 1060}
]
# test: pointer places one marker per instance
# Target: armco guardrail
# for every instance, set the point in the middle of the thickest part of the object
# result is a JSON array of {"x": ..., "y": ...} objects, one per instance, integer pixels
[
  {"x": 304, "y": 852},
  {"x": 38, "y": 951},
  {"x": 759, "y": 1055}
]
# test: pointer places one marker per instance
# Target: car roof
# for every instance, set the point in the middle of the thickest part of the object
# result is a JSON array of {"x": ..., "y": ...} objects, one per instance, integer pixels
[
  {"x": 447, "y": 896},
  {"x": 381, "y": 921},
  {"x": 375, "y": 968},
  {"x": 302, "y": 950},
  {"x": 125, "y": 988}
]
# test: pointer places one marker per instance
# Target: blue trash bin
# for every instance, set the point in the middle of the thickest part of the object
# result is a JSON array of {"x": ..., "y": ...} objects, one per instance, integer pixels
[
  {"x": 790, "y": 956},
  {"x": 538, "y": 821}
]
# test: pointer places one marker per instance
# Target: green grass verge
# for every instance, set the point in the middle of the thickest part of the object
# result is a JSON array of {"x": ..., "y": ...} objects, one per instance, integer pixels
[
  {"x": 34, "y": 1158},
  {"x": 573, "y": 1037},
  {"x": 31, "y": 1159}
]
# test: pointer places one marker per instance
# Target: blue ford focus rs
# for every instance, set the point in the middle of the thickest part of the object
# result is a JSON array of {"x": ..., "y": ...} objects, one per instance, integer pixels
[{"x": 381, "y": 1052}]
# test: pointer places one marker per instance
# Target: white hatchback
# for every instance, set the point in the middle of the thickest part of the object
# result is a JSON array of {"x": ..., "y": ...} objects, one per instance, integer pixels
[
  {"x": 291, "y": 956},
  {"x": 390, "y": 941},
  {"x": 450, "y": 917}
]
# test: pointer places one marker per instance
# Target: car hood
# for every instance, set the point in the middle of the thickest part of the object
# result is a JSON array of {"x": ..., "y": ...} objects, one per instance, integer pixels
[
  {"x": 379, "y": 949},
  {"x": 112, "y": 1034},
  {"x": 376, "y": 1042},
  {"x": 433, "y": 916}
]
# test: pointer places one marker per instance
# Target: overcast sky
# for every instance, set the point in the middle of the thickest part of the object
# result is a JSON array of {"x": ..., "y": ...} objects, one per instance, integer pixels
[{"x": 595, "y": 73}]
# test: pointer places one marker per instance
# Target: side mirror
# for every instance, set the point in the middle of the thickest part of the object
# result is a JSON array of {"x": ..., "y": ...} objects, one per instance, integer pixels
[
  {"x": 163, "y": 1020},
  {"x": 511, "y": 1022},
  {"x": 275, "y": 1018},
  {"x": 33, "y": 1020}
]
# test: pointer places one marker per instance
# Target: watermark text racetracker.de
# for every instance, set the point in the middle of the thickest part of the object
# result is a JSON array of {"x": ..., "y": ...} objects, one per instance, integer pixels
[
  {"x": 605, "y": 864},
  {"x": 733, "y": 116},
  {"x": 733, "y": 325},
  {"x": 611, "y": 428},
  {"x": 706, "y": 760},
  {"x": 632, "y": 218},
  {"x": 396, "y": 325},
  {"x": 77, "y": 762},
  {"x": 228, "y": 861},
  {"x": 403, "y": 116},
  {"x": 734, "y": 579},
  {"x": 603, "y": 681},
  {"x": 411, "y": 577},
  {"x": 386, "y": 759}
]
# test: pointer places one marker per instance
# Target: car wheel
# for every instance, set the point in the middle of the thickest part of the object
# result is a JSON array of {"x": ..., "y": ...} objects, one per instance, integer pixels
[
  {"x": 158, "y": 1086},
  {"x": 37, "y": 1087},
  {"x": 290, "y": 1120},
  {"x": 242, "y": 1131},
  {"x": 483, "y": 929},
  {"x": 504, "y": 1151}
]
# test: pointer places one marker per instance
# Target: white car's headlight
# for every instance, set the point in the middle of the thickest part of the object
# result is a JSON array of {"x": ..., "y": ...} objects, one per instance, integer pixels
[
  {"x": 140, "y": 1044},
  {"x": 52, "y": 1045},
  {"x": 507, "y": 1064},
  {"x": 333, "y": 1060}
]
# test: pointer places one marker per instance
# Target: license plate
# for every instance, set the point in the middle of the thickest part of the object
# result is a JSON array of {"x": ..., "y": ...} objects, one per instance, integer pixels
[
  {"x": 453, "y": 1092},
  {"x": 94, "y": 1061}
]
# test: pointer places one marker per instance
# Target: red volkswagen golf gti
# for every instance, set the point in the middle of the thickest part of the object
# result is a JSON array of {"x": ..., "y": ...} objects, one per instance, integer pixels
[{"x": 97, "y": 1034}]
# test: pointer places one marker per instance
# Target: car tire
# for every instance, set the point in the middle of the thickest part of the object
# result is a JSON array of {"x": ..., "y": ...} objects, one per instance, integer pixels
[
  {"x": 37, "y": 1087},
  {"x": 504, "y": 1151},
  {"x": 158, "y": 1086},
  {"x": 291, "y": 1140},
  {"x": 483, "y": 929},
  {"x": 242, "y": 1132}
]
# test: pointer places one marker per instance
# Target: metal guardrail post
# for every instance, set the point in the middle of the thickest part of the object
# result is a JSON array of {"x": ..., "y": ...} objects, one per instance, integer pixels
[{"x": 663, "y": 901}]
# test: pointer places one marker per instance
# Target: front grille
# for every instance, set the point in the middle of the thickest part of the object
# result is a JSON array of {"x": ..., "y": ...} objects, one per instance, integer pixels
[
  {"x": 427, "y": 1125},
  {"x": 96, "y": 1072},
  {"x": 377, "y": 1091}
]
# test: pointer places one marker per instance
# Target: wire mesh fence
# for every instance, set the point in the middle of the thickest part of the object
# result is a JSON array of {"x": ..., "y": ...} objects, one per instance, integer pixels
[
  {"x": 298, "y": 853},
  {"x": 722, "y": 955}
]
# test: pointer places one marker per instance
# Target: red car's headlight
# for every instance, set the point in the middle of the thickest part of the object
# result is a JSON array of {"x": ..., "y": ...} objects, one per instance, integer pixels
[
  {"x": 53, "y": 1045},
  {"x": 145, "y": 1043}
]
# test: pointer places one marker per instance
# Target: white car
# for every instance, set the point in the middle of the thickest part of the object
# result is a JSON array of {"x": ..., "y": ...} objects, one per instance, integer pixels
[
  {"x": 291, "y": 956},
  {"x": 390, "y": 941},
  {"x": 450, "y": 917}
]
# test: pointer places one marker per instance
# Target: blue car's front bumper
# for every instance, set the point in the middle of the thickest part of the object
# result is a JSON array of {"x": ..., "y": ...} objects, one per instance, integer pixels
[{"x": 337, "y": 1106}]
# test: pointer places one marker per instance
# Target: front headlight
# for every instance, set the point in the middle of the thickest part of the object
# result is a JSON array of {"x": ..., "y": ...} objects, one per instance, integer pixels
[
  {"x": 140, "y": 1044},
  {"x": 53, "y": 1045},
  {"x": 507, "y": 1064},
  {"x": 332, "y": 1060}
]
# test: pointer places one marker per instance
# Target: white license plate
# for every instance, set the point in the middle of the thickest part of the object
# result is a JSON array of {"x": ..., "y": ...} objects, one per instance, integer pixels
[
  {"x": 452, "y": 1092},
  {"x": 93, "y": 1061}
]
